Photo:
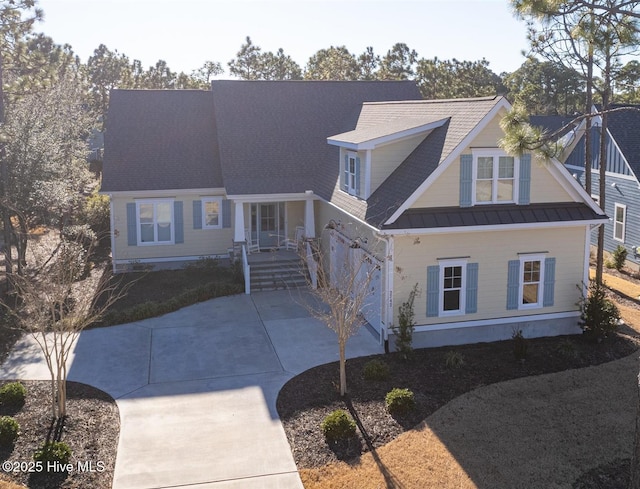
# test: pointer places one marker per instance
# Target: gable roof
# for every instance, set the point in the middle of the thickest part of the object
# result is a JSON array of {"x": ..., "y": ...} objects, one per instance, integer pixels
[
  {"x": 460, "y": 118},
  {"x": 160, "y": 139},
  {"x": 624, "y": 127},
  {"x": 272, "y": 134}
]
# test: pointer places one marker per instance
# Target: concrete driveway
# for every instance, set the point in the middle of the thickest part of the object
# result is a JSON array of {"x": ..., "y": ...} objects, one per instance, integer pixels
[{"x": 197, "y": 388}]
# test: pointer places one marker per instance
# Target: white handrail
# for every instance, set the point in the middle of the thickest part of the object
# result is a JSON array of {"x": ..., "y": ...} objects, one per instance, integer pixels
[
  {"x": 312, "y": 266},
  {"x": 247, "y": 271}
]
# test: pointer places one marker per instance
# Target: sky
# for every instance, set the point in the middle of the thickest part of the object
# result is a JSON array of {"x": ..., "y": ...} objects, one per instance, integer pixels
[{"x": 186, "y": 33}]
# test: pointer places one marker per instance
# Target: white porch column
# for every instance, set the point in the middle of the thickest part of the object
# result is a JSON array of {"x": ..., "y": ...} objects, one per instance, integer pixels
[
  {"x": 238, "y": 231},
  {"x": 309, "y": 218}
]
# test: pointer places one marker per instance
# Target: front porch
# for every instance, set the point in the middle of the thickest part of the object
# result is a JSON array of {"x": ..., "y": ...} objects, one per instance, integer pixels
[{"x": 276, "y": 270}]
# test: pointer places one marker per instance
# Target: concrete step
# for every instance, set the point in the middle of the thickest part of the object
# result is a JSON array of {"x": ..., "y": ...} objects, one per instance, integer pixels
[{"x": 278, "y": 274}]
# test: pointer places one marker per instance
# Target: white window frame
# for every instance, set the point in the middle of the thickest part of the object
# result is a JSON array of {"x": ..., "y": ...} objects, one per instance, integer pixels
[
  {"x": 521, "y": 282},
  {"x": 351, "y": 183},
  {"x": 155, "y": 203},
  {"x": 623, "y": 223},
  {"x": 206, "y": 200},
  {"x": 463, "y": 287},
  {"x": 495, "y": 153}
]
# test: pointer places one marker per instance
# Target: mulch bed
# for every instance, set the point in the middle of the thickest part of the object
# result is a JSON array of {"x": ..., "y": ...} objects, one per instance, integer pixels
[
  {"x": 307, "y": 398},
  {"x": 91, "y": 429}
]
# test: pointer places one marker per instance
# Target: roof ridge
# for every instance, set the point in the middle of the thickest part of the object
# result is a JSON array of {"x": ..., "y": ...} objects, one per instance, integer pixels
[{"x": 437, "y": 101}]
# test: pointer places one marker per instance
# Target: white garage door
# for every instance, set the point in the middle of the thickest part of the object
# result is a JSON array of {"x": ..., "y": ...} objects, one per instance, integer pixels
[{"x": 369, "y": 267}]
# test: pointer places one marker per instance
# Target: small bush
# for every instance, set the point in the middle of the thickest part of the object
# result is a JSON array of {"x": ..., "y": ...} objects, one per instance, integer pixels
[
  {"x": 95, "y": 213},
  {"x": 375, "y": 370},
  {"x": 53, "y": 451},
  {"x": 567, "y": 349},
  {"x": 12, "y": 395},
  {"x": 619, "y": 257},
  {"x": 399, "y": 401},
  {"x": 406, "y": 325},
  {"x": 81, "y": 234},
  {"x": 9, "y": 430},
  {"x": 337, "y": 426},
  {"x": 609, "y": 264},
  {"x": 599, "y": 316},
  {"x": 454, "y": 359},
  {"x": 519, "y": 345}
]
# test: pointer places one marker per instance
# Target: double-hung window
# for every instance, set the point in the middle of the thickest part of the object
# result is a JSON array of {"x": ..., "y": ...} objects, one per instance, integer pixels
[
  {"x": 619, "y": 222},
  {"x": 212, "y": 213},
  {"x": 494, "y": 177},
  {"x": 351, "y": 173},
  {"x": 155, "y": 222},
  {"x": 531, "y": 281},
  {"x": 452, "y": 287}
]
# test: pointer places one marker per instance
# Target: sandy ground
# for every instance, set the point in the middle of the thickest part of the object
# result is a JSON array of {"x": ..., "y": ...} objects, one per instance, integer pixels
[{"x": 535, "y": 432}]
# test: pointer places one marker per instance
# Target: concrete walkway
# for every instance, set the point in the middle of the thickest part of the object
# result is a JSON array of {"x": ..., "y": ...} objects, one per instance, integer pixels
[{"x": 197, "y": 388}]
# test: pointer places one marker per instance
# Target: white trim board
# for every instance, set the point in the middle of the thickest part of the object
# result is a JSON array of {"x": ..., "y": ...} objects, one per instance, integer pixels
[{"x": 496, "y": 321}]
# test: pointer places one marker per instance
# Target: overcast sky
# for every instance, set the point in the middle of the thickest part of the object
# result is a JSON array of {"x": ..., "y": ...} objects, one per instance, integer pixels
[{"x": 186, "y": 33}]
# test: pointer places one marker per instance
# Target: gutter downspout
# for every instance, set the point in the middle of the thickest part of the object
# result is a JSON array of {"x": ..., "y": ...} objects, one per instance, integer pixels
[{"x": 388, "y": 289}]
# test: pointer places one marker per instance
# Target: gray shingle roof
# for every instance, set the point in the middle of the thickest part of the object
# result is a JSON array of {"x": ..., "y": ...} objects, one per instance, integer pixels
[
  {"x": 487, "y": 215},
  {"x": 160, "y": 139},
  {"x": 624, "y": 126},
  {"x": 273, "y": 135},
  {"x": 463, "y": 116}
]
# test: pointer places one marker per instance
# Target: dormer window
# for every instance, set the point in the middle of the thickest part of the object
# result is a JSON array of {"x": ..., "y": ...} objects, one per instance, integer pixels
[
  {"x": 494, "y": 177},
  {"x": 351, "y": 182}
]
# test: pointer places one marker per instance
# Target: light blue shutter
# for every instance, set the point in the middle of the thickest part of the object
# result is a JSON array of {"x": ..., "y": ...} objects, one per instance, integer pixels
[
  {"x": 226, "y": 213},
  {"x": 513, "y": 283},
  {"x": 345, "y": 173},
  {"x": 357, "y": 176},
  {"x": 524, "y": 190},
  {"x": 197, "y": 214},
  {"x": 132, "y": 225},
  {"x": 433, "y": 292},
  {"x": 549, "y": 281},
  {"x": 466, "y": 180},
  {"x": 472, "y": 288},
  {"x": 178, "y": 221}
]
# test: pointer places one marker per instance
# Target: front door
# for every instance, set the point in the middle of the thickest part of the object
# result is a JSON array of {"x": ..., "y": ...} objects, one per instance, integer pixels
[{"x": 267, "y": 224}]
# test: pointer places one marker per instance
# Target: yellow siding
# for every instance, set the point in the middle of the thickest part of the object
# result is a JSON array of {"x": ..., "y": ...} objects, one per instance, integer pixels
[
  {"x": 385, "y": 159},
  {"x": 197, "y": 242},
  {"x": 445, "y": 191},
  {"x": 492, "y": 251},
  {"x": 295, "y": 217}
]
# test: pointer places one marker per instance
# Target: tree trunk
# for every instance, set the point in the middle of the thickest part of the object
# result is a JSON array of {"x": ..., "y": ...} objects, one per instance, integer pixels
[
  {"x": 343, "y": 368},
  {"x": 587, "y": 134},
  {"x": 603, "y": 165}
]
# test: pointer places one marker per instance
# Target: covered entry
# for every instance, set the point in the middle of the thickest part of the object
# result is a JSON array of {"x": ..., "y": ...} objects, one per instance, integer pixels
[{"x": 268, "y": 224}]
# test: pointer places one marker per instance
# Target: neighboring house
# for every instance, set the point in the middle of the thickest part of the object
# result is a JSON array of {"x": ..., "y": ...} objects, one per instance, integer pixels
[
  {"x": 418, "y": 190},
  {"x": 622, "y": 186}
]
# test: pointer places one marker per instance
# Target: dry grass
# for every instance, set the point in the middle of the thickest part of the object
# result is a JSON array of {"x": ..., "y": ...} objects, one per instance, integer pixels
[{"x": 543, "y": 431}]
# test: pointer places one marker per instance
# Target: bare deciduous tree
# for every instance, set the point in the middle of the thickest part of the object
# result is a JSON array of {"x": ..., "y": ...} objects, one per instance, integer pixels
[
  {"x": 55, "y": 301},
  {"x": 341, "y": 297}
]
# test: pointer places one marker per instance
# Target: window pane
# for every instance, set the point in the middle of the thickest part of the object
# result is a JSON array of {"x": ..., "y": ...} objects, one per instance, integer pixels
[
  {"x": 146, "y": 233},
  {"x": 485, "y": 167},
  {"x": 146, "y": 213},
  {"x": 505, "y": 190},
  {"x": 531, "y": 271},
  {"x": 618, "y": 230},
  {"x": 530, "y": 294},
  {"x": 352, "y": 165},
  {"x": 163, "y": 212},
  {"x": 505, "y": 167},
  {"x": 620, "y": 214},
  {"x": 164, "y": 232},
  {"x": 451, "y": 300},
  {"x": 484, "y": 190},
  {"x": 211, "y": 213}
]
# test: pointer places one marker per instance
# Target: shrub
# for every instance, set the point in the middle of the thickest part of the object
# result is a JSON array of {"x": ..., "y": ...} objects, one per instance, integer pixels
[
  {"x": 338, "y": 425},
  {"x": 599, "y": 316},
  {"x": 81, "y": 234},
  {"x": 95, "y": 213},
  {"x": 406, "y": 325},
  {"x": 567, "y": 349},
  {"x": 53, "y": 451},
  {"x": 519, "y": 345},
  {"x": 12, "y": 395},
  {"x": 9, "y": 430},
  {"x": 454, "y": 359},
  {"x": 619, "y": 257},
  {"x": 375, "y": 370},
  {"x": 399, "y": 401}
]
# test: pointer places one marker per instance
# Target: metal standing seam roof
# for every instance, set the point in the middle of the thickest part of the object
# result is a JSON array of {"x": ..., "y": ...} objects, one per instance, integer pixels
[{"x": 496, "y": 214}]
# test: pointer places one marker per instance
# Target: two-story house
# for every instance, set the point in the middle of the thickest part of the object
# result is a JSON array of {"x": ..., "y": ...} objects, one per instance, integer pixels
[{"x": 418, "y": 190}]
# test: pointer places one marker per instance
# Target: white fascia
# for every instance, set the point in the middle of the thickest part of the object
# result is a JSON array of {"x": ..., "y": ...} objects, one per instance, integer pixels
[
  {"x": 453, "y": 155},
  {"x": 388, "y": 138},
  {"x": 271, "y": 197},
  {"x": 142, "y": 194}
]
